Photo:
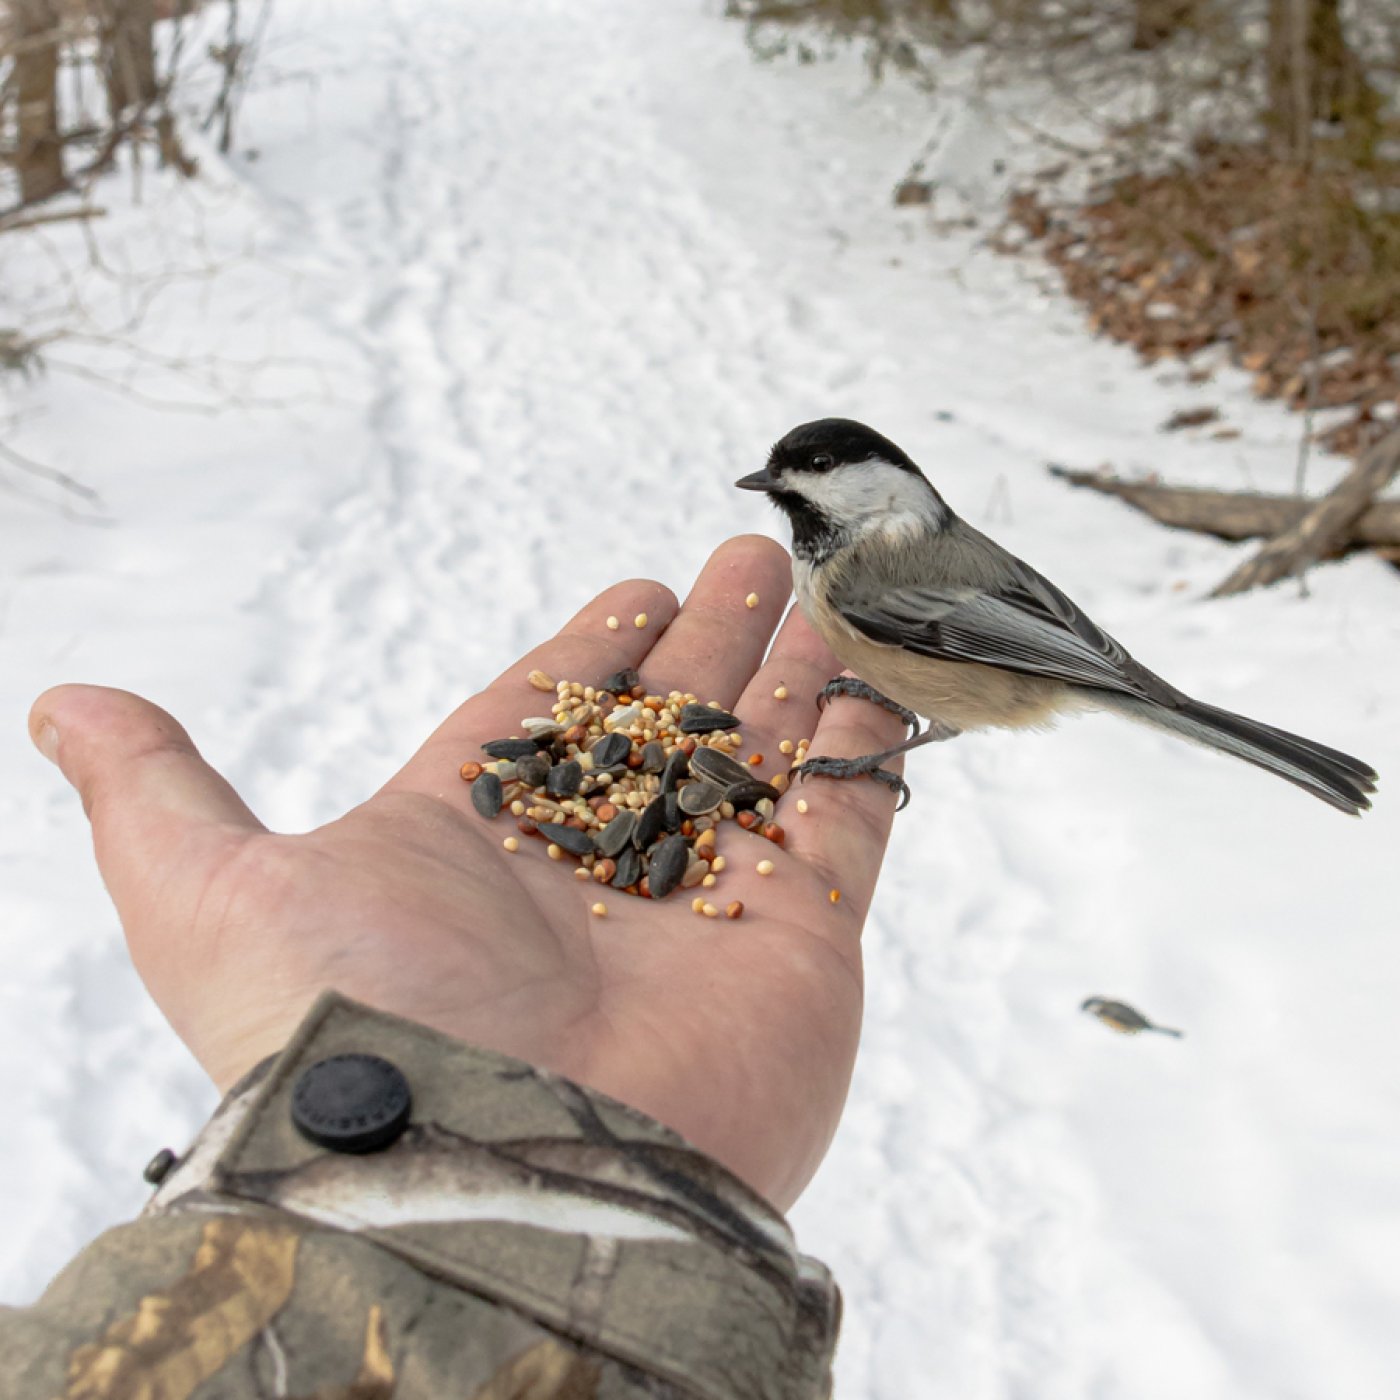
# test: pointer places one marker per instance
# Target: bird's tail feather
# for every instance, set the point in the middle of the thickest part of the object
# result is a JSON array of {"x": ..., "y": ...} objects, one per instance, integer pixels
[{"x": 1337, "y": 778}]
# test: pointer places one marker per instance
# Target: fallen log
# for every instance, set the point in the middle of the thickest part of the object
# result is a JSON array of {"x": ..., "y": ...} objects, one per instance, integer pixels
[
  {"x": 1325, "y": 526},
  {"x": 1237, "y": 515}
]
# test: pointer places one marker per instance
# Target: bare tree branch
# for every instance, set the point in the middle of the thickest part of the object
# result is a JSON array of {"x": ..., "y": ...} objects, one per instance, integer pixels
[{"x": 1324, "y": 527}]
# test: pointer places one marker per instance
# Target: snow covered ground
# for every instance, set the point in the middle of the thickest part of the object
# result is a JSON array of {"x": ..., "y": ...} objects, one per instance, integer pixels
[{"x": 501, "y": 271}]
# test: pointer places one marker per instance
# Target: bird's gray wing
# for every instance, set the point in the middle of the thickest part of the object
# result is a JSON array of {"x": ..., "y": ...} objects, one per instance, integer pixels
[{"x": 1026, "y": 624}]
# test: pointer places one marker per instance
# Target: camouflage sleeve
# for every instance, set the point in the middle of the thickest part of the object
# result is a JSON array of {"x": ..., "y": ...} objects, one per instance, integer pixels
[{"x": 381, "y": 1211}]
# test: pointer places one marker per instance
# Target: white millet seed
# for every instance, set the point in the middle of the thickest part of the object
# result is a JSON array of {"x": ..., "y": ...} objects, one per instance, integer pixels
[
  {"x": 765, "y": 867},
  {"x": 751, "y": 601},
  {"x": 781, "y": 693},
  {"x": 613, "y": 624},
  {"x": 802, "y": 805},
  {"x": 511, "y": 843},
  {"x": 598, "y": 910},
  {"x": 639, "y": 621}
]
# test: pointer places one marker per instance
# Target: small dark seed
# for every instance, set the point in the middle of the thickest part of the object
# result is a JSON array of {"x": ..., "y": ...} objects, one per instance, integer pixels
[
  {"x": 677, "y": 767},
  {"x": 616, "y": 834},
  {"x": 532, "y": 771},
  {"x": 718, "y": 767},
  {"x": 668, "y": 864},
  {"x": 611, "y": 750},
  {"x": 700, "y": 797},
  {"x": 488, "y": 794},
  {"x": 620, "y": 682},
  {"x": 750, "y": 793},
  {"x": 569, "y": 838},
  {"x": 510, "y": 748},
  {"x": 629, "y": 869},
  {"x": 701, "y": 719},
  {"x": 653, "y": 756},
  {"x": 563, "y": 779},
  {"x": 650, "y": 824},
  {"x": 671, "y": 812}
]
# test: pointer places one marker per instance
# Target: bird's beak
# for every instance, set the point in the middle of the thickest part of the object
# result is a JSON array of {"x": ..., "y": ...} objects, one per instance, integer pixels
[{"x": 757, "y": 481}]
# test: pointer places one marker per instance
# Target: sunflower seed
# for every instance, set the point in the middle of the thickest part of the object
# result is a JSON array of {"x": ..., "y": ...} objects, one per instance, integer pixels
[
  {"x": 620, "y": 681},
  {"x": 752, "y": 792},
  {"x": 533, "y": 770},
  {"x": 672, "y": 812},
  {"x": 629, "y": 869},
  {"x": 510, "y": 748},
  {"x": 541, "y": 727},
  {"x": 569, "y": 838},
  {"x": 718, "y": 767},
  {"x": 695, "y": 872},
  {"x": 505, "y": 770},
  {"x": 653, "y": 756},
  {"x": 611, "y": 750},
  {"x": 701, "y": 719},
  {"x": 616, "y": 834},
  {"x": 677, "y": 767},
  {"x": 650, "y": 824},
  {"x": 563, "y": 779},
  {"x": 700, "y": 797},
  {"x": 668, "y": 866},
  {"x": 487, "y": 794}
]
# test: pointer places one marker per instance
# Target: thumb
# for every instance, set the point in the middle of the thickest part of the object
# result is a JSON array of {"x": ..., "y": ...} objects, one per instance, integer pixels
[{"x": 157, "y": 809}]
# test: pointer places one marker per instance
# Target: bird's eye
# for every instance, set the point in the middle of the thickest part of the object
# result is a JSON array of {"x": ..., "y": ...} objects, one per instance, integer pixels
[{"x": 822, "y": 462}]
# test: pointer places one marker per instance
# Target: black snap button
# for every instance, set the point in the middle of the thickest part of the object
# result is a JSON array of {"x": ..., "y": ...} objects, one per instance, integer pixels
[{"x": 351, "y": 1103}]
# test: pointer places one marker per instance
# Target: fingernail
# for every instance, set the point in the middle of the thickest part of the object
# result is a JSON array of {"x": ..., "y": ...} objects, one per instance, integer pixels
[{"x": 46, "y": 740}]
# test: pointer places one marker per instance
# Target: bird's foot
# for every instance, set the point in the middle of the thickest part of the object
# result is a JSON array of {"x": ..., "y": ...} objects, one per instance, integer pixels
[
  {"x": 867, "y": 767},
  {"x": 859, "y": 690}
]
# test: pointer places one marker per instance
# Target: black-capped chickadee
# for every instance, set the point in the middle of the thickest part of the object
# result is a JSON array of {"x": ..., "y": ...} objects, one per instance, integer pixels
[
  {"x": 1119, "y": 1016},
  {"x": 938, "y": 620}
]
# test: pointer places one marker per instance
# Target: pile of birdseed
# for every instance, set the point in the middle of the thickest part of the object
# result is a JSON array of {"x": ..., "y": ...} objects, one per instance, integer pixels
[{"x": 632, "y": 786}]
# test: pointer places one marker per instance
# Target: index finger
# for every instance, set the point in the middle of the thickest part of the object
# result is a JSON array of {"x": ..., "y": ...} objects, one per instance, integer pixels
[{"x": 587, "y": 648}]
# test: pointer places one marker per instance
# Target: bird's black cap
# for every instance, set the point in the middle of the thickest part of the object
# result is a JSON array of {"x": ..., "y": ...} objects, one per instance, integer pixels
[{"x": 823, "y": 445}]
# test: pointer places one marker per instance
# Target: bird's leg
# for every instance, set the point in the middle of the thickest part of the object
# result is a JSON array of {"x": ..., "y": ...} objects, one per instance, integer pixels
[
  {"x": 860, "y": 690},
  {"x": 869, "y": 764}
]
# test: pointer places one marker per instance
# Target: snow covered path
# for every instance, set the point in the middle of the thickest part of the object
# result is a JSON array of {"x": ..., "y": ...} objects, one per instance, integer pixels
[{"x": 570, "y": 270}]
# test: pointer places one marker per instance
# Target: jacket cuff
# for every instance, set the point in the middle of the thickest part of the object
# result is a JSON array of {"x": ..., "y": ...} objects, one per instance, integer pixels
[{"x": 522, "y": 1187}]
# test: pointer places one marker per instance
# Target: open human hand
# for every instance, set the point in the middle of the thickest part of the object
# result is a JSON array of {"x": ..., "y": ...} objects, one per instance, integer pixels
[{"x": 739, "y": 1035}]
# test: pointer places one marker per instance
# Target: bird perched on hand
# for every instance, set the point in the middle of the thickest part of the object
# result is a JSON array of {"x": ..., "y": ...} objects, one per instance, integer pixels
[
  {"x": 1119, "y": 1016},
  {"x": 938, "y": 620}
]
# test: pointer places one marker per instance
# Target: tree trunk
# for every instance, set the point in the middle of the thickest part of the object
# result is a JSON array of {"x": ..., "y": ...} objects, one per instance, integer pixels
[
  {"x": 38, "y": 152},
  {"x": 126, "y": 34},
  {"x": 1313, "y": 76}
]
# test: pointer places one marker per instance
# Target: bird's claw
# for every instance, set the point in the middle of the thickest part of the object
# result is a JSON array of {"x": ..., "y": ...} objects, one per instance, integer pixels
[
  {"x": 826, "y": 767},
  {"x": 860, "y": 690}
]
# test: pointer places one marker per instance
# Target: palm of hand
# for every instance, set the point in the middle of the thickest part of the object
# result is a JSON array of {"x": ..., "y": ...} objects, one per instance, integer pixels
[{"x": 739, "y": 1034}]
